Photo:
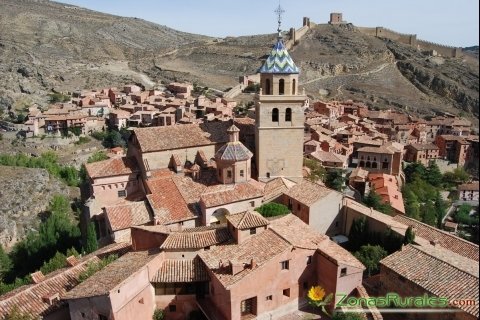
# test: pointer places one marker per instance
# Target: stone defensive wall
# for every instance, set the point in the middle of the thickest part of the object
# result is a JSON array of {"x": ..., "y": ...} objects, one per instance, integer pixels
[{"x": 411, "y": 39}]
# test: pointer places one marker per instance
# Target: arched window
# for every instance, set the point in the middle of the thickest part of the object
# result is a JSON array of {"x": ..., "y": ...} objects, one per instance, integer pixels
[
  {"x": 288, "y": 114},
  {"x": 362, "y": 164},
  {"x": 267, "y": 86},
  {"x": 275, "y": 115},
  {"x": 281, "y": 87},
  {"x": 368, "y": 164},
  {"x": 374, "y": 165},
  {"x": 294, "y": 85}
]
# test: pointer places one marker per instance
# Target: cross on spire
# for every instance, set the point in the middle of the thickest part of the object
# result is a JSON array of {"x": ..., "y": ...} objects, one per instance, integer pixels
[{"x": 279, "y": 11}]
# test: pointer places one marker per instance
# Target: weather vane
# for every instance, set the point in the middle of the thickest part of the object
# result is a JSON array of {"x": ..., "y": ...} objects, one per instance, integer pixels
[{"x": 279, "y": 11}]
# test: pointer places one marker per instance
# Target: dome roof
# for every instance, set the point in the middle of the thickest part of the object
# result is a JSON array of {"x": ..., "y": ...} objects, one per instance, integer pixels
[
  {"x": 279, "y": 61},
  {"x": 233, "y": 151}
]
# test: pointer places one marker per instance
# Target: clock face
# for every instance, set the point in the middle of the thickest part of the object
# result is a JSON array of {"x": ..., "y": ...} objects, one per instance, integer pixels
[{"x": 275, "y": 165}]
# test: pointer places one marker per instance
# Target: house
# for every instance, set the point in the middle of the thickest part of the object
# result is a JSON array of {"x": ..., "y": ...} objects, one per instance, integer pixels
[
  {"x": 453, "y": 148},
  {"x": 316, "y": 205},
  {"x": 418, "y": 270},
  {"x": 423, "y": 153},
  {"x": 469, "y": 191},
  {"x": 329, "y": 160},
  {"x": 385, "y": 159},
  {"x": 387, "y": 187}
]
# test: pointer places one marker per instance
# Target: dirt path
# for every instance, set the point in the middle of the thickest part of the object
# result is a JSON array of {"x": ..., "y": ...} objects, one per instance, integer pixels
[{"x": 122, "y": 68}]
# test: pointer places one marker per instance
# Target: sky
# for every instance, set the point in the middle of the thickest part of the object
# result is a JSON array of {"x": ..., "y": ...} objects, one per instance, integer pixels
[{"x": 454, "y": 23}]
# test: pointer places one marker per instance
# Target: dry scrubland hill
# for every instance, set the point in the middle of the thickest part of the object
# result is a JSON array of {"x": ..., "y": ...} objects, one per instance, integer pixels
[{"x": 45, "y": 45}]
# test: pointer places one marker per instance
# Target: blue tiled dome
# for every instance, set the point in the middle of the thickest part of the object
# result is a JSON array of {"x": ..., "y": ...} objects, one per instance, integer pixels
[{"x": 279, "y": 61}]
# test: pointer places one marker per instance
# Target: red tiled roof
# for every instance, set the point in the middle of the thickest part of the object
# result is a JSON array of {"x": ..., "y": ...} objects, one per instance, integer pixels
[
  {"x": 112, "y": 167},
  {"x": 105, "y": 280},
  {"x": 438, "y": 271},
  {"x": 422, "y": 147},
  {"x": 173, "y": 271},
  {"x": 181, "y": 136},
  {"x": 445, "y": 239},
  {"x": 167, "y": 202},
  {"x": 224, "y": 194},
  {"x": 29, "y": 299},
  {"x": 196, "y": 238},
  {"x": 308, "y": 192},
  {"x": 127, "y": 215},
  {"x": 474, "y": 186},
  {"x": 247, "y": 220},
  {"x": 296, "y": 232}
]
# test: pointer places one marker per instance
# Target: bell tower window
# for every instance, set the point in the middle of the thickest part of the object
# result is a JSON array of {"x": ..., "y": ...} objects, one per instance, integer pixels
[
  {"x": 294, "y": 89},
  {"x": 267, "y": 86},
  {"x": 281, "y": 87},
  {"x": 288, "y": 114},
  {"x": 275, "y": 115}
]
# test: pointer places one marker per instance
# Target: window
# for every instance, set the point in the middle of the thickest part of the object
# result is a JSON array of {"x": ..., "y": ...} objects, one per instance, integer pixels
[
  {"x": 343, "y": 272},
  {"x": 385, "y": 165},
  {"x": 309, "y": 259},
  {"x": 269, "y": 298},
  {"x": 275, "y": 115},
  {"x": 253, "y": 230},
  {"x": 242, "y": 173},
  {"x": 229, "y": 173},
  {"x": 172, "y": 308},
  {"x": 288, "y": 114},
  {"x": 285, "y": 265},
  {"x": 294, "y": 87},
  {"x": 268, "y": 174},
  {"x": 252, "y": 204},
  {"x": 122, "y": 193},
  {"x": 247, "y": 306},
  {"x": 374, "y": 165},
  {"x": 281, "y": 87},
  {"x": 305, "y": 285},
  {"x": 267, "y": 86},
  {"x": 220, "y": 173},
  {"x": 207, "y": 248},
  {"x": 286, "y": 292}
]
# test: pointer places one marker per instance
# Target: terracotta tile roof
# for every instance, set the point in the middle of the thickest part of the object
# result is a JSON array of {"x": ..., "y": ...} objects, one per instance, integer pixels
[
  {"x": 296, "y": 232},
  {"x": 387, "y": 187},
  {"x": 224, "y": 194},
  {"x": 196, "y": 239},
  {"x": 339, "y": 254},
  {"x": 167, "y": 201},
  {"x": 308, "y": 192},
  {"x": 260, "y": 248},
  {"x": 422, "y": 147},
  {"x": 127, "y": 215},
  {"x": 324, "y": 156},
  {"x": 247, "y": 220},
  {"x": 474, "y": 186},
  {"x": 181, "y": 136},
  {"x": 181, "y": 271},
  {"x": 380, "y": 149},
  {"x": 275, "y": 188},
  {"x": 29, "y": 299},
  {"x": 444, "y": 239},
  {"x": 439, "y": 272},
  {"x": 112, "y": 167},
  {"x": 105, "y": 280}
]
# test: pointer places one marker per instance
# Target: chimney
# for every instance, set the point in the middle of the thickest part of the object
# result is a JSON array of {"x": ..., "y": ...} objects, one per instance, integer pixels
[
  {"x": 435, "y": 243},
  {"x": 72, "y": 261},
  {"x": 253, "y": 264},
  {"x": 236, "y": 267},
  {"x": 37, "y": 277},
  {"x": 51, "y": 298}
]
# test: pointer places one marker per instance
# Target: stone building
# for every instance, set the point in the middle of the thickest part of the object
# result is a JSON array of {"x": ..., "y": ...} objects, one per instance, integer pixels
[
  {"x": 279, "y": 118},
  {"x": 423, "y": 153}
]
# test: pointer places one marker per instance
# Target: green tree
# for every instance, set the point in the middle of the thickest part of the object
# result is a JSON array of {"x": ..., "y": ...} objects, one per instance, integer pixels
[
  {"x": 433, "y": 175},
  {"x": 91, "y": 242},
  {"x": 414, "y": 170},
  {"x": 440, "y": 208},
  {"x": 358, "y": 234},
  {"x": 429, "y": 214},
  {"x": 5, "y": 263},
  {"x": 457, "y": 176},
  {"x": 409, "y": 236},
  {"x": 370, "y": 256},
  {"x": 317, "y": 172},
  {"x": 158, "y": 315},
  {"x": 375, "y": 201},
  {"x": 97, "y": 156},
  {"x": 113, "y": 139},
  {"x": 334, "y": 179},
  {"x": 272, "y": 209},
  {"x": 57, "y": 262},
  {"x": 412, "y": 205}
]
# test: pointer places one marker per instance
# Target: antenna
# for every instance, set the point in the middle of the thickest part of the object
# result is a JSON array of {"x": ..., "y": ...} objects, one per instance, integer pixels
[{"x": 279, "y": 11}]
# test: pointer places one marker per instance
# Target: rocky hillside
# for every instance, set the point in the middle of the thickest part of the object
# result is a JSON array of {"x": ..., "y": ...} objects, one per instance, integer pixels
[
  {"x": 24, "y": 195},
  {"x": 48, "y": 46}
]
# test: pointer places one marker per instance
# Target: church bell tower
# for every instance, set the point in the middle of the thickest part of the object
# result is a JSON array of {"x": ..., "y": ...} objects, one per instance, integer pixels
[{"x": 279, "y": 123}]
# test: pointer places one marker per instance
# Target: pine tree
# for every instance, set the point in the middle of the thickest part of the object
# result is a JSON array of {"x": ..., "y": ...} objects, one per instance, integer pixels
[
  {"x": 91, "y": 243},
  {"x": 5, "y": 263},
  {"x": 409, "y": 236}
]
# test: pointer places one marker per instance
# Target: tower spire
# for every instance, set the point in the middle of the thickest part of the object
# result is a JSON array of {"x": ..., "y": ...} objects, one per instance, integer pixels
[{"x": 279, "y": 11}]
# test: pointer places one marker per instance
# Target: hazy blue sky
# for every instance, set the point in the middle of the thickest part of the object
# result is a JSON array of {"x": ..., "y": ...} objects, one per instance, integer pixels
[{"x": 454, "y": 23}]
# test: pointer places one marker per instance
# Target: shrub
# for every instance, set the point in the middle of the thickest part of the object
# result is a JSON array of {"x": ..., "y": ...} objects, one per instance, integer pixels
[
  {"x": 272, "y": 209},
  {"x": 97, "y": 156},
  {"x": 370, "y": 256},
  {"x": 158, "y": 315}
]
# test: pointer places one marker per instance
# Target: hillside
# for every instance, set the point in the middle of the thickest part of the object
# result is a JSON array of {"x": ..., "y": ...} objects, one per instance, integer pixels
[{"x": 48, "y": 46}]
